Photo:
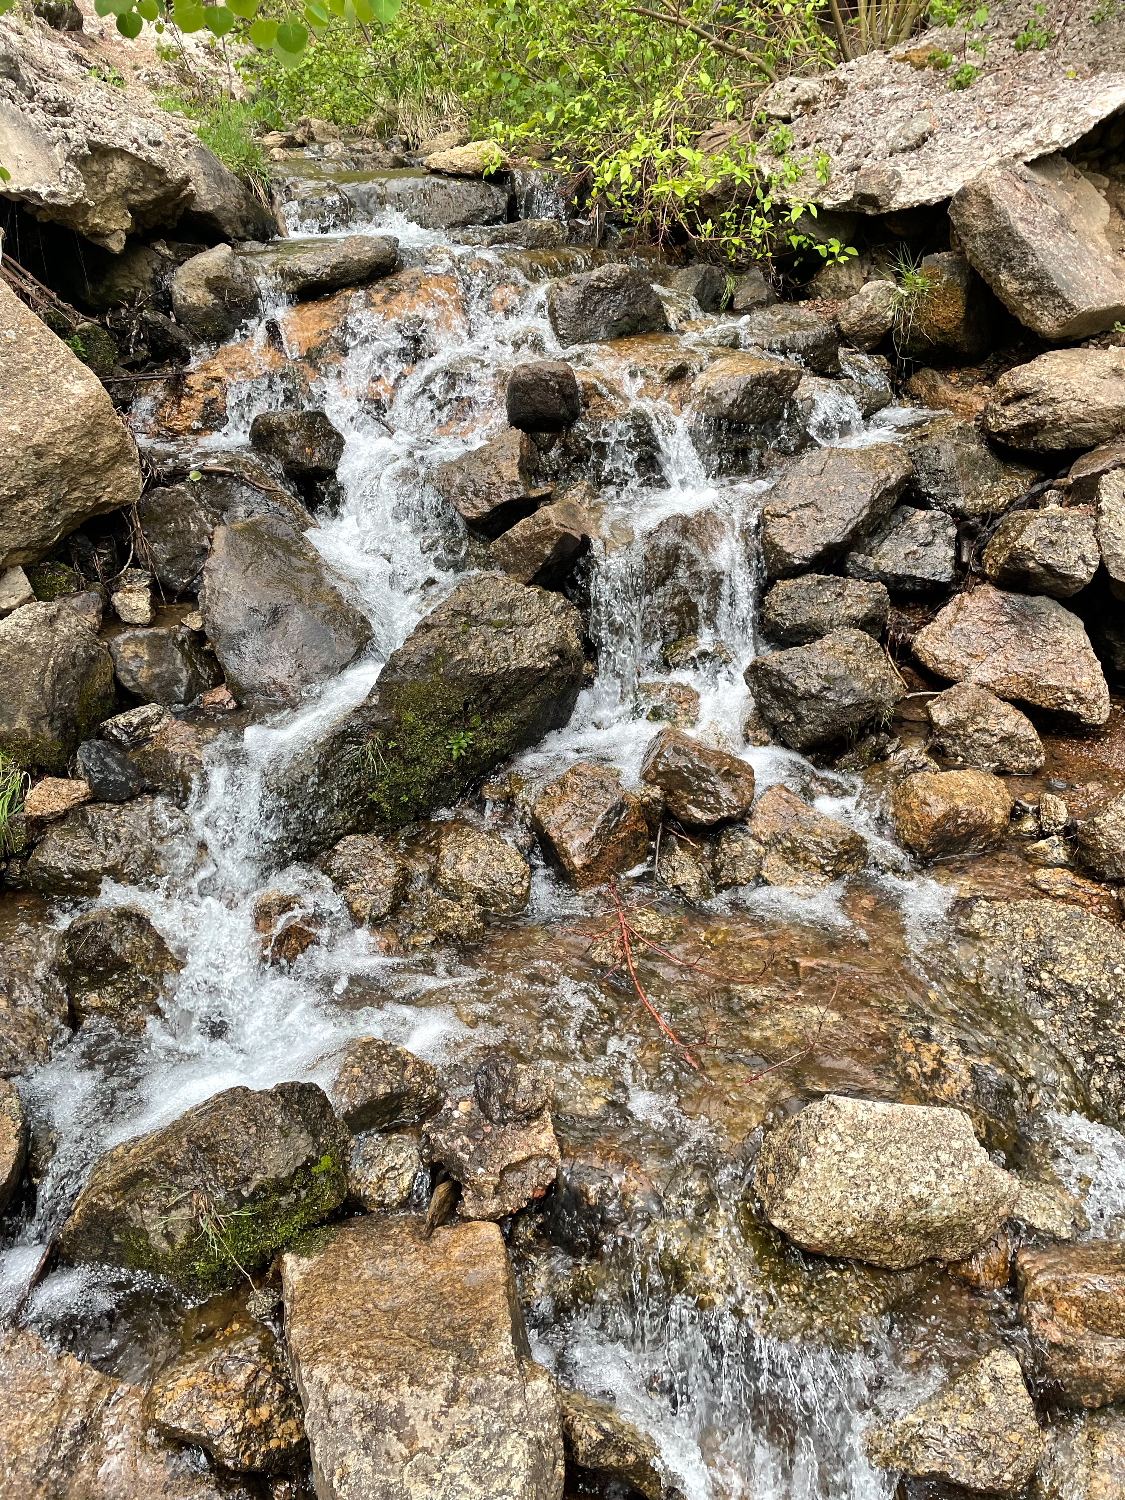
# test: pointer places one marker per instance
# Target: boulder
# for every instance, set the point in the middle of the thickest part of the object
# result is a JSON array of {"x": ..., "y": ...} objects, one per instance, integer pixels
[
  {"x": 1037, "y": 234},
  {"x": 58, "y": 685},
  {"x": 685, "y": 575},
  {"x": 213, "y": 293},
  {"x": 592, "y": 827},
  {"x": 751, "y": 290},
  {"x": 1083, "y": 1457},
  {"x": 493, "y": 486},
  {"x": 13, "y": 1141},
  {"x": 386, "y": 1173},
  {"x": 217, "y": 1193},
  {"x": 913, "y": 552},
  {"x": 433, "y": 202},
  {"x": 599, "y": 1438},
  {"x": 1025, "y": 648},
  {"x": 368, "y": 875},
  {"x": 1067, "y": 398},
  {"x": 673, "y": 702},
  {"x": 473, "y": 159},
  {"x": 869, "y": 314},
  {"x": 826, "y": 502},
  {"x": 176, "y": 522},
  {"x": 609, "y": 303},
  {"x": 476, "y": 865},
  {"x": 172, "y": 760},
  {"x": 232, "y": 1394},
  {"x": 1089, "y": 469},
  {"x": 794, "y": 332},
  {"x": 891, "y": 1184},
  {"x": 166, "y": 664},
  {"x": 34, "y": 1013},
  {"x": 1110, "y": 528},
  {"x": 65, "y": 455},
  {"x": 50, "y": 799},
  {"x": 1101, "y": 840},
  {"x": 220, "y": 204},
  {"x": 543, "y": 396},
  {"x": 800, "y": 846},
  {"x": 544, "y": 547},
  {"x": 274, "y": 613},
  {"x": 956, "y": 471},
  {"x": 745, "y": 389},
  {"x": 108, "y": 772},
  {"x": 954, "y": 316},
  {"x": 378, "y": 1086},
  {"x": 304, "y": 443},
  {"x": 702, "y": 786},
  {"x": 706, "y": 284},
  {"x": 136, "y": 725},
  {"x": 979, "y": 1430},
  {"x": 310, "y": 268},
  {"x": 950, "y": 812},
  {"x": 114, "y": 964},
  {"x": 973, "y": 726},
  {"x": 796, "y": 611},
  {"x": 413, "y": 1367},
  {"x": 816, "y": 694},
  {"x": 1072, "y": 1303},
  {"x": 737, "y": 859},
  {"x": 1052, "y": 551}
]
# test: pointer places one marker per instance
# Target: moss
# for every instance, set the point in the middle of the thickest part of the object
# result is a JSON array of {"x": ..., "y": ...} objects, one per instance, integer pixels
[
  {"x": 95, "y": 347},
  {"x": 50, "y": 580},
  {"x": 36, "y": 752},
  {"x": 95, "y": 699}
]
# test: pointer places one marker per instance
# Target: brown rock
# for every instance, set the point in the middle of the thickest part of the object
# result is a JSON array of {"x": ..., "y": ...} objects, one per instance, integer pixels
[
  {"x": 975, "y": 727},
  {"x": 956, "y": 471},
  {"x": 745, "y": 388},
  {"x": 738, "y": 858},
  {"x": 1086, "y": 473},
  {"x": 493, "y": 486},
  {"x": 1110, "y": 527},
  {"x": 598, "y": 1438},
  {"x": 868, "y": 316},
  {"x": 379, "y": 1086},
  {"x": 953, "y": 812},
  {"x": 368, "y": 875},
  {"x": 701, "y": 786},
  {"x": 476, "y": 865},
  {"x": 799, "y": 610},
  {"x": 1083, "y": 1458},
  {"x": 1064, "y": 885},
  {"x": 826, "y": 502},
  {"x": 800, "y": 845},
  {"x": 592, "y": 827},
  {"x": 990, "y": 1267},
  {"x": 1101, "y": 840},
  {"x": 385, "y": 1172},
  {"x": 686, "y": 868},
  {"x": 542, "y": 548},
  {"x": 114, "y": 965},
  {"x": 955, "y": 314},
  {"x": 1067, "y": 398},
  {"x": 934, "y": 389},
  {"x": 474, "y": 159},
  {"x": 1051, "y": 551},
  {"x": 674, "y": 702},
  {"x": 1072, "y": 1302},
  {"x": 13, "y": 1141},
  {"x": 51, "y": 798},
  {"x": 34, "y": 1012}
]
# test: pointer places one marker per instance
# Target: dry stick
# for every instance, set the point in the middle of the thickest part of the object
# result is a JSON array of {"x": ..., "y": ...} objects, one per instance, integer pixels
[
  {"x": 841, "y": 32},
  {"x": 714, "y": 41}
]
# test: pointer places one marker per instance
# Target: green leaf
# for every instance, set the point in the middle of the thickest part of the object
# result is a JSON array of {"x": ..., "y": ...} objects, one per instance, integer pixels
[
  {"x": 5, "y": 175},
  {"x": 195, "y": 476},
  {"x": 243, "y": 8},
  {"x": 148, "y": 9},
  {"x": 288, "y": 59},
  {"x": 315, "y": 13},
  {"x": 384, "y": 11},
  {"x": 291, "y": 38},
  {"x": 101, "y": 7},
  {"x": 130, "y": 24},
  {"x": 187, "y": 16},
  {"x": 263, "y": 33},
  {"x": 218, "y": 19},
  {"x": 5, "y": 6}
]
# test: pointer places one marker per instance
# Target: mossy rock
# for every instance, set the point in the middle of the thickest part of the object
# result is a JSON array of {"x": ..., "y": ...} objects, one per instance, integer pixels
[{"x": 51, "y": 580}]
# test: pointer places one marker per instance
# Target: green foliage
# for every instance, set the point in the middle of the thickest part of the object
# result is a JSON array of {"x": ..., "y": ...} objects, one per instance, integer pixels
[
  {"x": 972, "y": 19},
  {"x": 14, "y": 784},
  {"x": 1035, "y": 33},
  {"x": 460, "y": 742}
]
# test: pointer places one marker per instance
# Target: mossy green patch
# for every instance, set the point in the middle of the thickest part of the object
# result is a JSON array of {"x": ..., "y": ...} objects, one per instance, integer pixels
[{"x": 50, "y": 580}]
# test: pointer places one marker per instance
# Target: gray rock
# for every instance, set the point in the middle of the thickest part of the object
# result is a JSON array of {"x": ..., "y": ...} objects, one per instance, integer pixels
[
  {"x": 1101, "y": 840},
  {"x": 745, "y": 389},
  {"x": 543, "y": 548},
  {"x": 1110, "y": 528},
  {"x": 134, "y": 726},
  {"x": 58, "y": 685},
  {"x": 702, "y": 786},
  {"x": 114, "y": 964},
  {"x": 590, "y": 824},
  {"x": 304, "y": 443},
  {"x": 176, "y": 524},
  {"x": 309, "y": 268},
  {"x": 220, "y": 205},
  {"x": 913, "y": 552},
  {"x": 812, "y": 695},
  {"x": 1089, "y": 469},
  {"x": 131, "y": 843},
  {"x": 973, "y": 726},
  {"x": 476, "y": 865},
  {"x": 608, "y": 303},
  {"x": 434, "y": 202},
  {"x": 1067, "y": 398},
  {"x": 1052, "y": 551},
  {"x": 213, "y": 293},
  {"x": 707, "y": 284},
  {"x": 795, "y": 332},
  {"x": 956, "y": 471},
  {"x": 525, "y": 234},
  {"x": 385, "y": 1173},
  {"x": 543, "y": 396},
  {"x": 493, "y": 486},
  {"x": 737, "y": 859},
  {"x": 13, "y": 1141},
  {"x": 34, "y": 1012},
  {"x": 378, "y": 1086},
  {"x": 800, "y": 846},
  {"x": 891, "y": 1184},
  {"x": 107, "y": 771},
  {"x": 751, "y": 290},
  {"x": 167, "y": 664},
  {"x": 15, "y": 591},
  {"x": 868, "y": 316},
  {"x": 798, "y": 610},
  {"x": 867, "y": 379},
  {"x": 1083, "y": 1457},
  {"x": 826, "y": 502},
  {"x": 599, "y": 1438}
]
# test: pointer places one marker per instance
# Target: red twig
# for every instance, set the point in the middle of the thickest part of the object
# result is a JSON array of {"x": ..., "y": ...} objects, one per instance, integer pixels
[{"x": 624, "y": 929}]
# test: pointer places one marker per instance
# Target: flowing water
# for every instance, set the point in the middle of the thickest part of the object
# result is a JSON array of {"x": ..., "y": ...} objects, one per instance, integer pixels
[{"x": 755, "y": 1368}]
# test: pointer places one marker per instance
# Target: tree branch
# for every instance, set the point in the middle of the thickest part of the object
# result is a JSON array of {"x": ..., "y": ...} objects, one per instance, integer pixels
[{"x": 714, "y": 41}]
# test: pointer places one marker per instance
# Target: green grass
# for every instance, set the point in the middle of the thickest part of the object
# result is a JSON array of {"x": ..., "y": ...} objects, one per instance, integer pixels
[
  {"x": 230, "y": 129},
  {"x": 14, "y": 783}
]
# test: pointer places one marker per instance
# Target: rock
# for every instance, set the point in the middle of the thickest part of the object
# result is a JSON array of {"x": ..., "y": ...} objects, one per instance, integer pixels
[
  {"x": 799, "y": 845},
  {"x": 13, "y": 1141},
  {"x": 310, "y": 268},
  {"x": 221, "y": 206},
  {"x": 130, "y": 843},
  {"x": 368, "y": 875},
  {"x": 590, "y": 825},
  {"x": 956, "y": 471},
  {"x": 378, "y": 1086},
  {"x": 954, "y": 316},
  {"x": 673, "y": 702},
  {"x": 167, "y": 664},
  {"x": 745, "y": 389},
  {"x": 702, "y": 786},
  {"x": 751, "y": 290},
  {"x": 812, "y": 695},
  {"x": 891, "y": 1184},
  {"x": 869, "y": 315},
  {"x": 508, "y": 1091},
  {"x": 15, "y": 591},
  {"x": 543, "y": 548},
  {"x": 609, "y": 303},
  {"x": 259, "y": 1168},
  {"x": 706, "y": 284},
  {"x": 445, "y": 140},
  {"x": 1101, "y": 840},
  {"x": 493, "y": 486},
  {"x": 599, "y": 1438},
  {"x": 524, "y": 234},
  {"x": 1028, "y": 649},
  {"x": 1110, "y": 527},
  {"x": 979, "y": 1430},
  {"x": 1083, "y": 1458},
  {"x": 952, "y": 812},
  {"x": 474, "y": 159},
  {"x": 114, "y": 964},
  {"x": 385, "y": 1173},
  {"x": 305, "y": 443},
  {"x": 476, "y": 865},
  {"x": 795, "y": 332},
  {"x": 1067, "y": 398},
  {"x": 108, "y": 773},
  {"x": 273, "y": 611},
  {"x": 973, "y": 726},
  {"x": 1072, "y": 1303},
  {"x": 172, "y": 760},
  {"x": 176, "y": 523},
  {"x": 543, "y": 396},
  {"x": 796, "y": 611},
  {"x": 213, "y": 293},
  {"x": 58, "y": 685},
  {"x": 913, "y": 552},
  {"x": 1054, "y": 815},
  {"x": 685, "y": 868},
  {"x": 413, "y": 1367},
  {"x": 738, "y": 858},
  {"x": 1037, "y": 234},
  {"x": 433, "y": 202},
  {"x": 50, "y": 799},
  {"x": 867, "y": 379},
  {"x": 232, "y": 1395},
  {"x": 134, "y": 606},
  {"x": 1051, "y": 551},
  {"x": 826, "y": 502},
  {"x": 65, "y": 455},
  {"x": 34, "y": 1014}
]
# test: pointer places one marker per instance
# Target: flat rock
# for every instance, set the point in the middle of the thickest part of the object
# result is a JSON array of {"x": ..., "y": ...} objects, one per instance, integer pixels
[
  {"x": 912, "y": 552},
  {"x": 610, "y": 303},
  {"x": 132, "y": 843},
  {"x": 826, "y": 502},
  {"x": 166, "y": 664},
  {"x": 950, "y": 812},
  {"x": 52, "y": 798},
  {"x": 745, "y": 389},
  {"x": 800, "y": 846},
  {"x": 58, "y": 685},
  {"x": 796, "y": 611},
  {"x": 1072, "y": 1303},
  {"x": 1067, "y": 398},
  {"x": 473, "y": 159},
  {"x": 812, "y": 695},
  {"x": 493, "y": 486},
  {"x": 378, "y": 1086},
  {"x": 593, "y": 827},
  {"x": 309, "y": 268},
  {"x": 1051, "y": 551},
  {"x": 702, "y": 786},
  {"x": 794, "y": 332},
  {"x": 973, "y": 726},
  {"x": 474, "y": 864},
  {"x": 956, "y": 471}
]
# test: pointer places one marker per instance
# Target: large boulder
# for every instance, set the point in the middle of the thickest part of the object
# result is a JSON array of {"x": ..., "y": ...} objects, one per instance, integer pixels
[
  {"x": 1021, "y": 647},
  {"x": 953, "y": 316},
  {"x": 65, "y": 455},
  {"x": 213, "y": 293},
  {"x": 218, "y": 1192},
  {"x": 892, "y": 1184},
  {"x": 166, "y": 664},
  {"x": 590, "y": 824},
  {"x": 812, "y": 695},
  {"x": 309, "y": 268},
  {"x": 1037, "y": 234},
  {"x": 913, "y": 552},
  {"x": 274, "y": 613},
  {"x": 543, "y": 396},
  {"x": 956, "y": 471},
  {"x": 702, "y": 786},
  {"x": 608, "y": 303},
  {"x": 1052, "y": 551},
  {"x": 220, "y": 205},
  {"x": 414, "y": 1369},
  {"x": 1101, "y": 840},
  {"x": 796, "y": 611},
  {"x": 1067, "y": 398},
  {"x": 543, "y": 548},
  {"x": 58, "y": 685},
  {"x": 797, "y": 845},
  {"x": 745, "y": 389},
  {"x": 1072, "y": 1303},
  {"x": 826, "y": 502},
  {"x": 950, "y": 812},
  {"x": 114, "y": 965},
  {"x": 973, "y": 726},
  {"x": 493, "y": 486}
]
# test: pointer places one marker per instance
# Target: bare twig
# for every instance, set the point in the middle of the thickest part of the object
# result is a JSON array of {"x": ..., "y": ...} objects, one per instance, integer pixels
[{"x": 671, "y": 19}]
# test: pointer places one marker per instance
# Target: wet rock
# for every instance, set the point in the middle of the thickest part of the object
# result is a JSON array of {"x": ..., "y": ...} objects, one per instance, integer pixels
[
  {"x": 952, "y": 812},
  {"x": 795, "y": 332},
  {"x": 385, "y": 1173},
  {"x": 413, "y": 1366},
  {"x": 956, "y": 471},
  {"x": 167, "y": 664},
  {"x": 591, "y": 825},
  {"x": 524, "y": 234},
  {"x": 176, "y": 523},
  {"x": 285, "y": 927},
  {"x": 1037, "y": 234},
  {"x": 1025, "y": 648},
  {"x": 812, "y": 695},
  {"x": 172, "y": 760},
  {"x": 309, "y": 269},
  {"x": 51, "y": 799},
  {"x": 304, "y": 443},
  {"x": 702, "y": 786},
  {"x": 955, "y": 315},
  {"x": 429, "y": 918},
  {"x": 1054, "y": 815},
  {"x": 65, "y": 455},
  {"x": 1083, "y": 1458},
  {"x": 436, "y": 202},
  {"x": 913, "y": 552},
  {"x": 674, "y": 702},
  {"x": 1110, "y": 527},
  {"x": 213, "y": 293},
  {"x": 15, "y": 591},
  {"x": 751, "y": 290},
  {"x": 598, "y": 1438},
  {"x": 508, "y": 1091},
  {"x": 378, "y": 1086},
  {"x": 272, "y": 608},
  {"x": 493, "y": 486},
  {"x": 13, "y": 1141},
  {"x": 543, "y": 548},
  {"x": 232, "y": 1395},
  {"x": 979, "y": 1431},
  {"x": 745, "y": 389},
  {"x": 869, "y": 314},
  {"x": 892, "y": 1184},
  {"x": 368, "y": 874},
  {"x": 1072, "y": 1303},
  {"x": 1067, "y": 398},
  {"x": 114, "y": 964},
  {"x": 609, "y": 303},
  {"x": 131, "y": 843},
  {"x": 476, "y": 865},
  {"x": 685, "y": 867},
  {"x": 867, "y": 379},
  {"x": 973, "y": 726},
  {"x": 738, "y": 858},
  {"x": 1051, "y": 551},
  {"x": 34, "y": 1014},
  {"x": 826, "y": 502},
  {"x": 1101, "y": 840},
  {"x": 108, "y": 772},
  {"x": 216, "y": 1193},
  {"x": 543, "y": 396},
  {"x": 801, "y": 846},
  {"x": 58, "y": 685},
  {"x": 684, "y": 578},
  {"x": 705, "y": 283},
  {"x": 796, "y": 611},
  {"x": 1089, "y": 469}
]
